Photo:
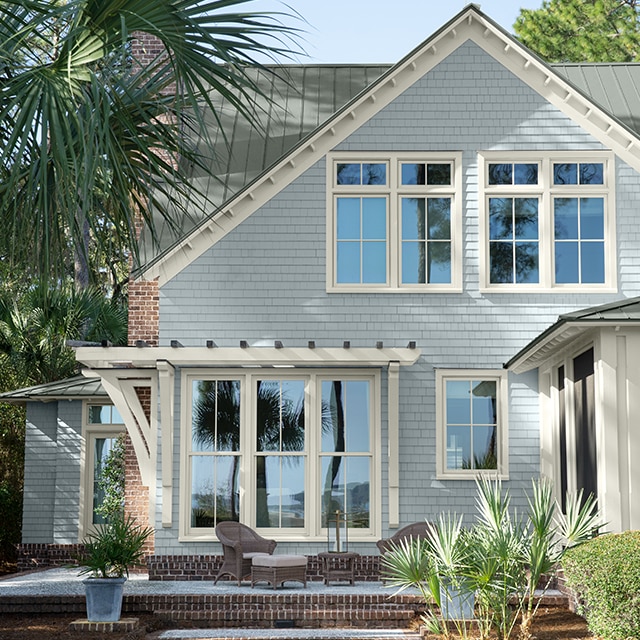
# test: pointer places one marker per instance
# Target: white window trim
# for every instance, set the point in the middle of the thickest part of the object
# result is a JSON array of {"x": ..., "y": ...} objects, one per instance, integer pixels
[
  {"x": 545, "y": 191},
  {"x": 91, "y": 431},
  {"x": 501, "y": 378},
  {"x": 393, "y": 192},
  {"x": 312, "y": 532}
]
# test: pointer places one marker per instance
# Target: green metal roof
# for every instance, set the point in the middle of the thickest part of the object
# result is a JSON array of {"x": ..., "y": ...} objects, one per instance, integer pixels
[
  {"x": 303, "y": 97},
  {"x": 76, "y": 388},
  {"x": 614, "y": 87}
]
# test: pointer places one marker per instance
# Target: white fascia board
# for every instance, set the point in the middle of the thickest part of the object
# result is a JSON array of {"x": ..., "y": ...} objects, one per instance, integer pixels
[
  {"x": 538, "y": 353},
  {"x": 125, "y": 358},
  {"x": 470, "y": 24}
]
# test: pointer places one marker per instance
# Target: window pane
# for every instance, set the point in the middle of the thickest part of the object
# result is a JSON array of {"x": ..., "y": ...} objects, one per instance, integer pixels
[
  {"x": 374, "y": 173},
  {"x": 439, "y": 218},
  {"x": 101, "y": 450},
  {"x": 358, "y": 407},
  {"x": 215, "y": 424},
  {"x": 500, "y": 174},
  {"x": 592, "y": 173},
  {"x": 280, "y": 415},
  {"x": 413, "y": 219},
  {"x": 592, "y": 262},
  {"x": 374, "y": 218},
  {"x": 357, "y": 491},
  {"x": 458, "y": 447},
  {"x": 484, "y": 398},
  {"x": 346, "y": 482},
  {"x": 413, "y": 263},
  {"x": 566, "y": 218},
  {"x": 592, "y": 218},
  {"x": 458, "y": 402},
  {"x": 526, "y": 218},
  {"x": 348, "y": 219},
  {"x": 348, "y": 262},
  {"x": 501, "y": 262},
  {"x": 500, "y": 218},
  {"x": 439, "y": 263},
  {"x": 485, "y": 453},
  {"x": 565, "y": 173},
  {"x": 525, "y": 174},
  {"x": 527, "y": 268},
  {"x": 345, "y": 415},
  {"x": 348, "y": 173},
  {"x": 439, "y": 174},
  {"x": 412, "y": 173},
  {"x": 280, "y": 491},
  {"x": 215, "y": 495},
  {"x": 100, "y": 414},
  {"x": 566, "y": 255},
  {"x": 374, "y": 262}
]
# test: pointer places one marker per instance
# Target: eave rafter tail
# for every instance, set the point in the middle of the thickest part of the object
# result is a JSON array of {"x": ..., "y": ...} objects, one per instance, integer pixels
[{"x": 122, "y": 385}]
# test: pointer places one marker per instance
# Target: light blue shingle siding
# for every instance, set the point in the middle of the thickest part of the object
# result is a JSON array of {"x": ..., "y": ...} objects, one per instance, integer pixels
[
  {"x": 266, "y": 279},
  {"x": 39, "y": 481}
]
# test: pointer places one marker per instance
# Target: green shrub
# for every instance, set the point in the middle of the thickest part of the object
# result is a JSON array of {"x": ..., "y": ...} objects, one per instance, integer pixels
[{"x": 605, "y": 573}]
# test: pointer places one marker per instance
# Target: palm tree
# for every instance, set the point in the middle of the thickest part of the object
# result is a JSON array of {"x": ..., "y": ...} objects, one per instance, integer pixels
[{"x": 94, "y": 139}]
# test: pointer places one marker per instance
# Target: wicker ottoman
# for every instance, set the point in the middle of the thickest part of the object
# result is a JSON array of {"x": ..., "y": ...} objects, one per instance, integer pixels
[{"x": 278, "y": 569}]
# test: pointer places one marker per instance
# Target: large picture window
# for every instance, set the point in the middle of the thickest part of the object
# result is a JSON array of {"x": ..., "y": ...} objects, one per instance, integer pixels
[
  {"x": 548, "y": 220},
  {"x": 280, "y": 452},
  {"x": 394, "y": 223},
  {"x": 471, "y": 416}
]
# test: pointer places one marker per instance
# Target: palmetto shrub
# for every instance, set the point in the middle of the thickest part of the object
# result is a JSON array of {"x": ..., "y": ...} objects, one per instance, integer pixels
[{"x": 605, "y": 574}]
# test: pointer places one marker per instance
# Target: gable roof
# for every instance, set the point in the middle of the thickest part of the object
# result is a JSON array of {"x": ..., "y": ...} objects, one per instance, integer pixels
[
  {"x": 569, "y": 326},
  {"x": 76, "y": 388},
  {"x": 302, "y": 128}
]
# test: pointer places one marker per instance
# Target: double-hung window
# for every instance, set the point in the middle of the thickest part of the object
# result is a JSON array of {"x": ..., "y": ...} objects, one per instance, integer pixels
[
  {"x": 548, "y": 220},
  {"x": 280, "y": 453},
  {"x": 102, "y": 427},
  {"x": 471, "y": 416},
  {"x": 394, "y": 222}
]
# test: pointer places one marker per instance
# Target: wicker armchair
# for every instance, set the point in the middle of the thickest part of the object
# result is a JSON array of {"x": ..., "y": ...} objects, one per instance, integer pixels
[
  {"x": 414, "y": 530},
  {"x": 239, "y": 545}
]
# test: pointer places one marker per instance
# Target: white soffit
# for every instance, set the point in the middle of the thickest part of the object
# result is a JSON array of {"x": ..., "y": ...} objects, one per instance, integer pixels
[
  {"x": 148, "y": 357},
  {"x": 469, "y": 24}
]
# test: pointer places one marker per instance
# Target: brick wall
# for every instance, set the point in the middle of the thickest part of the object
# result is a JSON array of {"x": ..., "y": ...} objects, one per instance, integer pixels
[{"x": 205, "y": 567}]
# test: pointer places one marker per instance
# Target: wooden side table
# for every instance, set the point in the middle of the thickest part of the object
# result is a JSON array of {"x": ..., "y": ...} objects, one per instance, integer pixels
[{"x": 338, "y": 567}]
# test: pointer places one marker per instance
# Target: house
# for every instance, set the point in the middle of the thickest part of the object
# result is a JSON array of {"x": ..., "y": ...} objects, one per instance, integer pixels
[{"x": 416, "y": 274}]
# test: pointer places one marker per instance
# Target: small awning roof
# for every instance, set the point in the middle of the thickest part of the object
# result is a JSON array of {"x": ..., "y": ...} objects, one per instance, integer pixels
[
  {"x": 570, "y": 326},
  {"x": 76, "y": 388}
]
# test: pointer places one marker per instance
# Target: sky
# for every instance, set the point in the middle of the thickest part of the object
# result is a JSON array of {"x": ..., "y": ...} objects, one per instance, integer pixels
[{"x": 379, "y": 31}]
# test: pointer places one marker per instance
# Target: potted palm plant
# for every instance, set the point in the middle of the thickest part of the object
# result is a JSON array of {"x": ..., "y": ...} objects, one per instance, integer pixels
[{"x": 108, "y": 555}]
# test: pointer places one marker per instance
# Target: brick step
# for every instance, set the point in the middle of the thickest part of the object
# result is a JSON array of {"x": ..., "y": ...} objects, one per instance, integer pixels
[{"x": 304, "y": 617}]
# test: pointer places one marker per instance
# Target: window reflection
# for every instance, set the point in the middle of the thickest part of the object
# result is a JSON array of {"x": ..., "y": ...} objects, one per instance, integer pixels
[
  {"x": 513, "y": 173},
  {"x": 280, "y": 428},
  {"x": 579, "y": 240},
  {"x": 426, "y": 240},
  {"x": 471, "y": 424},
  {"x": 361, "y": 226},
  {"x": 513, "y": 235},
  {"x": 346, "y": 428},
  {"x": 354, "y": 173}
]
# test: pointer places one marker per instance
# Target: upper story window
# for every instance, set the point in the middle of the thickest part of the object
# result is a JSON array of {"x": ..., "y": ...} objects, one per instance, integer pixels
[
  {"x": 548, "y": 220},
  {"x": 394, "y": 223}
]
